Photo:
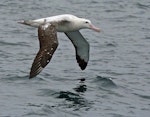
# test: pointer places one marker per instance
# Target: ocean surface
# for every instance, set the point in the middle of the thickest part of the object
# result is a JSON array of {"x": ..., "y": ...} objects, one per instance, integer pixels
[{"x": 117, "y": 76}]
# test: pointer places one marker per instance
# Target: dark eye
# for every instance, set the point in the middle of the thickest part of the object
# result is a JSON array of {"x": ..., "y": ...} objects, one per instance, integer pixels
[{"x": 86, "y": 22}]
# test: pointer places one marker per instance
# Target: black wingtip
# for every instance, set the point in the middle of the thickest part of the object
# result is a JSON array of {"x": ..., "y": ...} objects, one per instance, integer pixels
[
  {"x": 34, "y": 72},
  {"x": 83, "y": 65},
  {"x": 81, "y": 62},
  {"x": 30, "y": 77}
]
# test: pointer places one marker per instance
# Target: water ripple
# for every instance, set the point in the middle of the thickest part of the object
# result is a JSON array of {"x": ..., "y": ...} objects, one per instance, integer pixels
[
  {"x": 105, "y": 82},
  {"x": 142, "y": 96},
  {"x": 143, "y": 6}
]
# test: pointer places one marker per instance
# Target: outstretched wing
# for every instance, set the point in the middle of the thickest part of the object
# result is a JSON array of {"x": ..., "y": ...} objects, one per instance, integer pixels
[
  {"x": 81, "y": 47},
  {"x": 48, "y": 44}
]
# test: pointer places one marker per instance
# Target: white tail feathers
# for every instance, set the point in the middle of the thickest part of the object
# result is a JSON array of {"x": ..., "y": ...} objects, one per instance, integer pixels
[{"x": 29, "y": 23}]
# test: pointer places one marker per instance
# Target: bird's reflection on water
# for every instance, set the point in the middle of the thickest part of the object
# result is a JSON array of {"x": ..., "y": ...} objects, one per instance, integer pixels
[
  {"x": 81, "y": 88},
  {"x": 76, "y": 98}
]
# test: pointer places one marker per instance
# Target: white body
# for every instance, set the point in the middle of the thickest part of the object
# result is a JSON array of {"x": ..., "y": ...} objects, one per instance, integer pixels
[
  {"x": 63, "y": 23},
  {"x": 75, "y": 22}
]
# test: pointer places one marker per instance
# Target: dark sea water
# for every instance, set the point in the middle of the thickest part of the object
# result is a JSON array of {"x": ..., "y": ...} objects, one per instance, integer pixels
[{"x": 118, "y": 74}]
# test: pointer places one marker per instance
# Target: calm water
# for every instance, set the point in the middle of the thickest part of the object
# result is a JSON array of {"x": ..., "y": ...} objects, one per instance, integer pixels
[{"x": 117, "y": 76}]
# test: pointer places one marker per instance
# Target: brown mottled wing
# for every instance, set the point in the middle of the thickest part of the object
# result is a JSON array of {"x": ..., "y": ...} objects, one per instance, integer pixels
[
  {"x": 81, "y": 47},
  {"x": 48, "y": 43}
]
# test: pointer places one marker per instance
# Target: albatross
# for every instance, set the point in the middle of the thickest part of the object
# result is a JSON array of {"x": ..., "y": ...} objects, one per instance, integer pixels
[{"x": 47, "y": 34}]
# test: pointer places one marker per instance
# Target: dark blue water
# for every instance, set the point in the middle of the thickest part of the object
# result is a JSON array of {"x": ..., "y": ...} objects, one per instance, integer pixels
[{"x": 118, "y": 74}]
